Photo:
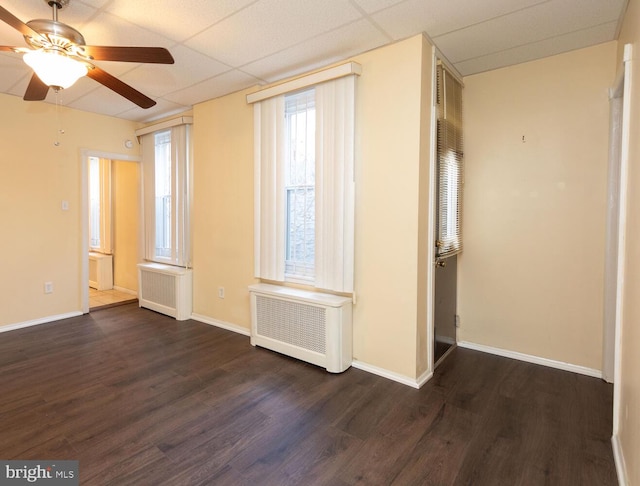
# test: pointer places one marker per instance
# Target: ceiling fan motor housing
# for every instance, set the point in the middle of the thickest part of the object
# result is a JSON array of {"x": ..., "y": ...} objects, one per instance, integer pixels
[{"x": 58, "y": 34}]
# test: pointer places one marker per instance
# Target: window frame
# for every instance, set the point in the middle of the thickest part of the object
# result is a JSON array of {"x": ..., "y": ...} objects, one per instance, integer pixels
[{"x": 180, "y": 169}]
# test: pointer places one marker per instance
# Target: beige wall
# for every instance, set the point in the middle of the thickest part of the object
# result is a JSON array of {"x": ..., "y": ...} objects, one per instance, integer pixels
[
  {"x": 126, "y": 223},
  {"x": 223, "y": 209},
  {"x": 388, "y": 211},
  {"x": 41, "y": 242},
  {"x": 629, "y": 409},
  {"x": 391, "y": 171},
  {"x": 531, "y": 274}
]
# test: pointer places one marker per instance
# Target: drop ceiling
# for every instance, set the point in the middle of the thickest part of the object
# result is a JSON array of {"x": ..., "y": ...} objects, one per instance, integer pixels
[{"x": 222, "y": 46}]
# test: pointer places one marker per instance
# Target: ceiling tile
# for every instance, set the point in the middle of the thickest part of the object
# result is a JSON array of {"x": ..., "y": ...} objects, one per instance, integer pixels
[
  {"x": 538, "y": 50},
  {"x": 371, "y": 6},
  {"x": 176, "y": 20},
  {"x": 110, "y": 102},
  {"x": 269, "y": 26},
  {"x": 12, "y": 69},
  {"x": 456, "y": 14},
  {"x": 190, "y": 68},
  {"x": 162, "y": 109},
  {"x": 110, "y": 30},
  {"x": 326, "y": 48},
  {"x": 534, "y": 24},
  {"x": 93, "y": 3},
  {"x": 213, "y": 88}
]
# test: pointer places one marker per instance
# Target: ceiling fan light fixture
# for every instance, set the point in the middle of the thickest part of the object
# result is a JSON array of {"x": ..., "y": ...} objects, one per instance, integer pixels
[{"x": 55, "y": 68}]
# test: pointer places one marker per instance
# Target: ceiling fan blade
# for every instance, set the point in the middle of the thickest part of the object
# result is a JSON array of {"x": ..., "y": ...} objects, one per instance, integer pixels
[
  {"x": 155, "y": 55},
  {"x": 8, "y": 48},
  {"x": 119, "y": 87},
  {"x": 37, "y": 90},
  {"x": 17, "y": 24}
]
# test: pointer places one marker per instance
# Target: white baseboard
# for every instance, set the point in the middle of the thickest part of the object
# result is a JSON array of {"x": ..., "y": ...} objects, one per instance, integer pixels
[
  {"x": 582, "y": 370},
  {"x": 125, "y": 291},
  {"x": 618, "y": 458},
  {"x": 390, "y": 375},
  {"x": 35, "y": 322},
  {"x": 221, "y": 324}
]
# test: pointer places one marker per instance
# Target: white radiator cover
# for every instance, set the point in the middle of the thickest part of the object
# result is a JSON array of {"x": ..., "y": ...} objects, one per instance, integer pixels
[
  {"x": 100, "y": 271},
  {"x": 166, "y": 289},
  {"x": 309, "y": 326}
]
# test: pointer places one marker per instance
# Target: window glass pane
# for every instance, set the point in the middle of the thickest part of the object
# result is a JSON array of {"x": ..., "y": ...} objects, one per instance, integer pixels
[
  {"x": 94, "y": 202},
  {"x": 163, "y": 194},
  {"x": 300, "y": 184}
]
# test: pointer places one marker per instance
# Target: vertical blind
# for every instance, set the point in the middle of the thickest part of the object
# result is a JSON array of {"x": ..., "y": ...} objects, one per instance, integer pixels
[
  {"x": 450, "y": 165},
  {"x": 334, "y": 186}
]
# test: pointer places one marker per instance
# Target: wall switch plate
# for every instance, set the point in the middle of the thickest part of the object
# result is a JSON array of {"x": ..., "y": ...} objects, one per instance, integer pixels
[
  {"x": 457, "y": 320},
  {"x": 48, "y": 287},
  {"x": 65, "y": 205},
  {"x": 221, "y": 292}
]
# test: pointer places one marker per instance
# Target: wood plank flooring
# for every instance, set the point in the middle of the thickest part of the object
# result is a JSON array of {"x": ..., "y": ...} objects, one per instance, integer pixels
[{"x": 141, "y": 399}]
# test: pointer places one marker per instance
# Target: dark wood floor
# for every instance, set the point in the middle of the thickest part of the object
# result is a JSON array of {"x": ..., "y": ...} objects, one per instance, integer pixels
[{"x": 140, "y": 399}]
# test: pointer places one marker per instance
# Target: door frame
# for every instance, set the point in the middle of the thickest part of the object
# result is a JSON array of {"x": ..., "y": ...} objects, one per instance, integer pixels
[{"x": 622, "y": 88}]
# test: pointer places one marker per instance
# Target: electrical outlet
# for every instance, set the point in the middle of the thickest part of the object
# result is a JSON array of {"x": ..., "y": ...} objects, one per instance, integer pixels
[
  {"x": 221, "y": 292},
  {"x": 457, "y": 320},
  {"x": 48, "y": 287}
]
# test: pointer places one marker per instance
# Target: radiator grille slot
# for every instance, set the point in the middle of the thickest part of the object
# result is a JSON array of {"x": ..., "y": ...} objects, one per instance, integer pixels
[
  {"x": 292, "y": 323},
  {"x": 158, "y": 288}
]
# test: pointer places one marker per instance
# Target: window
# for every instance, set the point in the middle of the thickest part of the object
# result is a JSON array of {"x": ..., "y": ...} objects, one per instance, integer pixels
[
  {"x": 304, "y": 141},
  {"x": 300, "y": 115},
  {"x": 450, "y": 165},
  {"x": 99, "y": 204},
  {"x": 166, "y": 159}
]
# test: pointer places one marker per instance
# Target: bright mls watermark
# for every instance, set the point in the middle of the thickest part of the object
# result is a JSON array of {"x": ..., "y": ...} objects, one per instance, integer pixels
[{"x": 40, "y": 473}]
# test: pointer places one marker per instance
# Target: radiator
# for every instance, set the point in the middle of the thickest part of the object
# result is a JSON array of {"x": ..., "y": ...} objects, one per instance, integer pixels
[
  {"x": 100, "y": 271},
  {"x": 165, "y": 289},
  {"x": 309, "y": 326}
]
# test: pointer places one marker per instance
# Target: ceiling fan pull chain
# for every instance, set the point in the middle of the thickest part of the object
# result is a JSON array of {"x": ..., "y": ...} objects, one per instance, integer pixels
[{"x": 60, "y": 130}]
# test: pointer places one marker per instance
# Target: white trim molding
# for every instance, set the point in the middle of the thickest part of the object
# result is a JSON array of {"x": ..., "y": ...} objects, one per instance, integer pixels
[
  {"x": 221, "y": 324},
  {"x": 618, "y": 459},
  {"x": 305, "y": 81},
  {"x": 551, "y": 363},
  {"x": 391, "y": 375},
  {"x": 43, "y": 320},
  {"x": 173, "y": 122}
]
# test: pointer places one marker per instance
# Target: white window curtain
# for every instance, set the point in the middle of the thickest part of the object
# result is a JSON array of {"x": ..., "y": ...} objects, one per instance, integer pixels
[
  {"x": 335, "y": 133},
  {"x": 100, "y": 205},
  {"x": 177, "y": 248},
  {"x": 269, "y": 145},
  {"x": 335, "y": 108}
]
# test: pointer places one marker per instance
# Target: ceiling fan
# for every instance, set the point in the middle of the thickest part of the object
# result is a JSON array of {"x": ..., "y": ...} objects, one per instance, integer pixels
[{"x": 59, "y": 57}]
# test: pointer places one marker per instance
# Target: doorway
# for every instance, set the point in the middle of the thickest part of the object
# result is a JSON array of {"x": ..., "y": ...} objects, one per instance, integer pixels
[
  {"x": 448, "y": 216},
  {"x": 111, "y": 249}
]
